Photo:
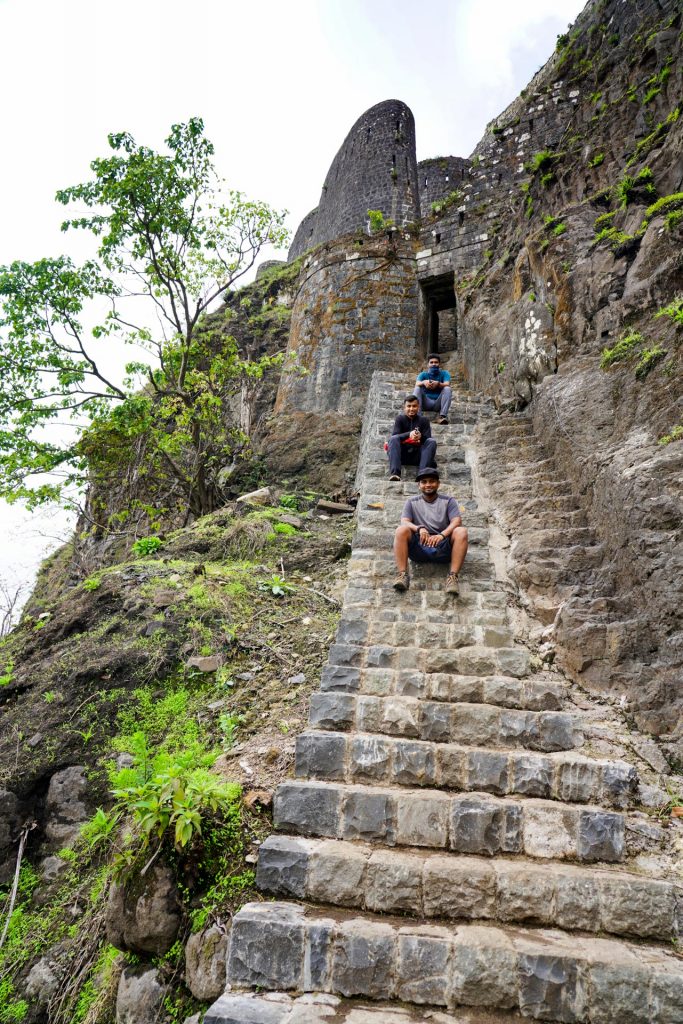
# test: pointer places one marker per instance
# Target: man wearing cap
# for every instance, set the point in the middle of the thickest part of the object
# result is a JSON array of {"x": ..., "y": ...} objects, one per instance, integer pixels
[{"x": 431, "y": 530}]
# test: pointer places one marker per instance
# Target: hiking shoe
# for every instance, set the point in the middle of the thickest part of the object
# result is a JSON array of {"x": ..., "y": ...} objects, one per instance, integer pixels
[
  {"x": 395, "y": 478},
  {"x": 452, "y": 583},
  {"x": 442, "y": 419},
  {"x": 402, "y": 581}
]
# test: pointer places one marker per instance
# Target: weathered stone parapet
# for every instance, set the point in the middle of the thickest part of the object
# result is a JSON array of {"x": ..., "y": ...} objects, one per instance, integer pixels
[{"x": 355, "y": 312}]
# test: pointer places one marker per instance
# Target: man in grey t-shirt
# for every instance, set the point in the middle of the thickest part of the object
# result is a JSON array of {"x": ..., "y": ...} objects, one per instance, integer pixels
[{"x": 431, "y": 530}]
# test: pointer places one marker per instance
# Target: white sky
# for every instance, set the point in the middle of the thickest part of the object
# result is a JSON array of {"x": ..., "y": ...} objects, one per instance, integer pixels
[{"x": 278, "y": 85}]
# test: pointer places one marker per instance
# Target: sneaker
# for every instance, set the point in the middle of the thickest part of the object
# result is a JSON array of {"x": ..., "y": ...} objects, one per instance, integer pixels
[
  {"x": 452, "y": 583},
  {"x": 395, "y": 478},
  {"x": 402, "y": 581},
  {"x": 442, "y": 419}
]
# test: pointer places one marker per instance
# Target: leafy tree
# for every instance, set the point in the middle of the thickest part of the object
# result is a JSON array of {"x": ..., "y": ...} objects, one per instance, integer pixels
[{"x": 170, "y": 245}]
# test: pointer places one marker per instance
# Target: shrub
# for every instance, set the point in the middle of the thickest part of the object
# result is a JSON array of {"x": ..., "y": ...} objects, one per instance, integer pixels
[
  {"x": 675, "y": 435},
  {"x": 627, "y": 187},
  {"x": 596, "y": 159},
  {"x": 378, "y": 222},
  {"x": 674, "y": 311},
  {"x": 146, "y": 546},
  {"x": 441, "y": 205},
  {"x": 666, "y": 205},
  {"x": 626, "y": 347},
  {"x": 649, "y": 358}
]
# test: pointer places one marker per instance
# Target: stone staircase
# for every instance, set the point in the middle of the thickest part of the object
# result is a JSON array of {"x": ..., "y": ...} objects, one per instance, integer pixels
[{"x": 458, "y": 844}]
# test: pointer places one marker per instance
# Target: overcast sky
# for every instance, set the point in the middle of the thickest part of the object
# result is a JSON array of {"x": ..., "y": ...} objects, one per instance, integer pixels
[{"x": 278, "y": 86}]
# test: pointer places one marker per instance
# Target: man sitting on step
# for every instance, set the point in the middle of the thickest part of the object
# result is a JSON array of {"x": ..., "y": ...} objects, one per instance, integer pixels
[
  {"x": 431, "y": 530},
  {"x": 433, "y": 388},
  {"x": 411, "y": 442}
]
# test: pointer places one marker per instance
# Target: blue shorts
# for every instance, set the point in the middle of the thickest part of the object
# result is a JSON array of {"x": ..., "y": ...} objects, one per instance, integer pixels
[{"x": 420, "y": 553}]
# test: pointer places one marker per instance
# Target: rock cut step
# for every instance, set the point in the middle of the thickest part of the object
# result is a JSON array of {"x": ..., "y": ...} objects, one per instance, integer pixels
[
  {"x": 451, "y": 886},
  {"x": 544, "y": 974},
  {"x": 477, "y": 823}
]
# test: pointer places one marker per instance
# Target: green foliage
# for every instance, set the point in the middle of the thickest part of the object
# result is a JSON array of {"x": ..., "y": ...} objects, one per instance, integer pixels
[
  {"x": 92, "y": 583},
  {"x": 289, "y": 501},
  {"x": 7, "y": 674},
  {"x": 604, "y": 220},
  {"x": 649, "y": 358},
  {"x": 543, "y": 161},
  {"x": 167, "y": 231},
  {"x": 441, "y": 205},
  {"x": 562, "y": 42},
  {"x": 675, "y": 434},
  {"x": 277, "y": 586},
  {"x": 378, "y": 222},
  {"x": 614, "y": 236},
  {"x": 12, "y": 1010},
  {"x": 144, "y": 546},
  {"x": 651, "y": 93},
  {"x": 285, "y": 529},
  {"x": 99, "y": 829},
  {"x": 559, "y": 229},
  {"x": 666, "y": 205},
  {"x": 596, "y": 160},
  {"x": 626, "y": 347},
  {"x": 627, "y": 188},
  {"x": 674, "y": 311},
  {"x": 229, "y": 724},
  {"x": 655, "y": 136}
]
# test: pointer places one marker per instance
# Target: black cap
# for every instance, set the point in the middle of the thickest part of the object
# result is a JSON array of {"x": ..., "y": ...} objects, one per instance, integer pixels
[{"x": 427, "y": 471}]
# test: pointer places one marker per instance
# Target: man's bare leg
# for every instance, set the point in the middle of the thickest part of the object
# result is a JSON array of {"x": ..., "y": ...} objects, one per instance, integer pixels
[
  {"x": 401, "y": 542},
  {"x": 458, "y": 548}
]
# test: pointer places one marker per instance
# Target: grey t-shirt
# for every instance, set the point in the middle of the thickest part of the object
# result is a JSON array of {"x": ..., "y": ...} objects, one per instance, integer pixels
[{"x": 435, "y": 515}]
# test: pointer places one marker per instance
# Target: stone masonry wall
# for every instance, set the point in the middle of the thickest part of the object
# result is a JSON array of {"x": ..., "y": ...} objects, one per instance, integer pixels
[
  {"x": 375, "y": 169},
  {"x": 355, "y": 312}
]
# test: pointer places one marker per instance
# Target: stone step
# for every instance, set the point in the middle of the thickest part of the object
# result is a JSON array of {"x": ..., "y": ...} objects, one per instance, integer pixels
[
  {"x": 463, "y": 767},
  {"x": 547, "y": 975},
  {"x": 450, "y": 886},
  {"x": 317, "y": 1007},
  {"x": 465, "y": 823},
  {"x": 534, "y": 693},
  {"x": 373, "y": 630},
  {"x": 468, "y": 723},
  {"x": 468, "y": 661}
]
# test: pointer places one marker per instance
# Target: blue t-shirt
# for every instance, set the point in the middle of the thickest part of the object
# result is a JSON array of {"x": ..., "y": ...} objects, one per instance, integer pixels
[{"x": 443, "y": 376}]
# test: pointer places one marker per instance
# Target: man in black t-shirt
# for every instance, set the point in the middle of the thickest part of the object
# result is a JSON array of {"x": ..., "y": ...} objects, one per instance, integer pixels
[
  {"x": 411, "y": 440},
  {"x": 431, "y": 530}
]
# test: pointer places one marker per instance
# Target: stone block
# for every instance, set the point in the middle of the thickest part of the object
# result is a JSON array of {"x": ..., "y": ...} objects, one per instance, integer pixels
[
  {"x": 475, "y": 724},
  {"x": 451, "y": 766},
  {"x": 549, "y": 831},
  {"x": 484, "y": 826},
  {"x": 577, "y": 900},
  {"x": 424, "y": 966},
  {"x": 340, "y": 679},
  {"x": 601, "y": 836},
  {"x": 525, "y": 894},
  {"x": 619, "y": 783},
  {"x": 666, "y": 999},
  {"x": 556, "y": 731},
  {"x": 518, "y": 728},
  {"x": 411, "y": 683},
  {"x": 484, "y": 969},
  {"x": 487, "y": 771},
  {"x": 633, "y": 906},
  {"x": 307, "y": 808},
  {"x": 245, "y": 1009},
  {"x": 619, "y": 992},
  {"x": 413, "y": 764},
  {"x": 363, "y": 959},
  {"x": 378, "y": 682},
  {"x": 267, "y": 946},
  {"x": 369, "y": 758},
  {"x": 345, "y": 655},
  {"x": 532, "y": 775},
  {"x": 466, "y": 689},
  {"x": 368, "y": 713},
  {"x": 318, "y": 954},
  {"x": 544, "y": 695},
  {"x": 552, "y": 988},
  {"x": 369, "y": 815},
  {"x": 512, "y": 661},
  {"x": 381, "y": 656},
  {"x": 332, "y": 711},
  {"x": 394, "y": 883},
  {"x": 321, "y": 756},
  {"x": 459, "y": 887},
  {"x": 283, "y": 866},
  {"x": 577, "y": 782},
  {"x": 205, "y": 957},
  {"x": 422, "y": 820},
  {"x": 399, "y": 717},
  {"x": 337, "y": 873},
  {"x": 505, "y": 692},
  {"x": 352, "y": 631},
  {"x": 435, "y": 722}
]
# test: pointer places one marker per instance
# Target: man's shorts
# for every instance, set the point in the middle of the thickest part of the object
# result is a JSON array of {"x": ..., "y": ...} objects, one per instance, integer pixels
[{"x": 421, "y": 553}]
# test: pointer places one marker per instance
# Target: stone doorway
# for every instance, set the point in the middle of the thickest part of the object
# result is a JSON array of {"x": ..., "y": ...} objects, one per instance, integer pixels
[{"x": 439, "y": 320}]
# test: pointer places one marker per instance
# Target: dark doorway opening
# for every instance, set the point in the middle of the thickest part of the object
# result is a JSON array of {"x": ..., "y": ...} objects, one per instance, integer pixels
[{"x": 439, "y": 319}]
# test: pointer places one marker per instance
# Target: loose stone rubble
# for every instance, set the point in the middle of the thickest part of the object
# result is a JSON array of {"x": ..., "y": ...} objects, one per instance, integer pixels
[{"x": 466, "y": 829}]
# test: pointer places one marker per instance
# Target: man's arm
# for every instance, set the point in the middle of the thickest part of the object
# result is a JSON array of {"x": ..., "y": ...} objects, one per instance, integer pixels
[
  {"x": 425, "y": 428},
  {"x": 436, "y": 538},
  {"x": 399, "y": 424}
]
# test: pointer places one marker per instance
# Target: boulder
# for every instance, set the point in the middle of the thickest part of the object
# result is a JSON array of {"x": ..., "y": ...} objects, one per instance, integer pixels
[
  {"x": 263, "y": 496},
  {"x": 41, "y": 983},
  {"x": 66, "y": 808},
  {"x": 205, "y": 957},
  {"x": 140, "y": 996},
  {"x": 143, "y": 915}
]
